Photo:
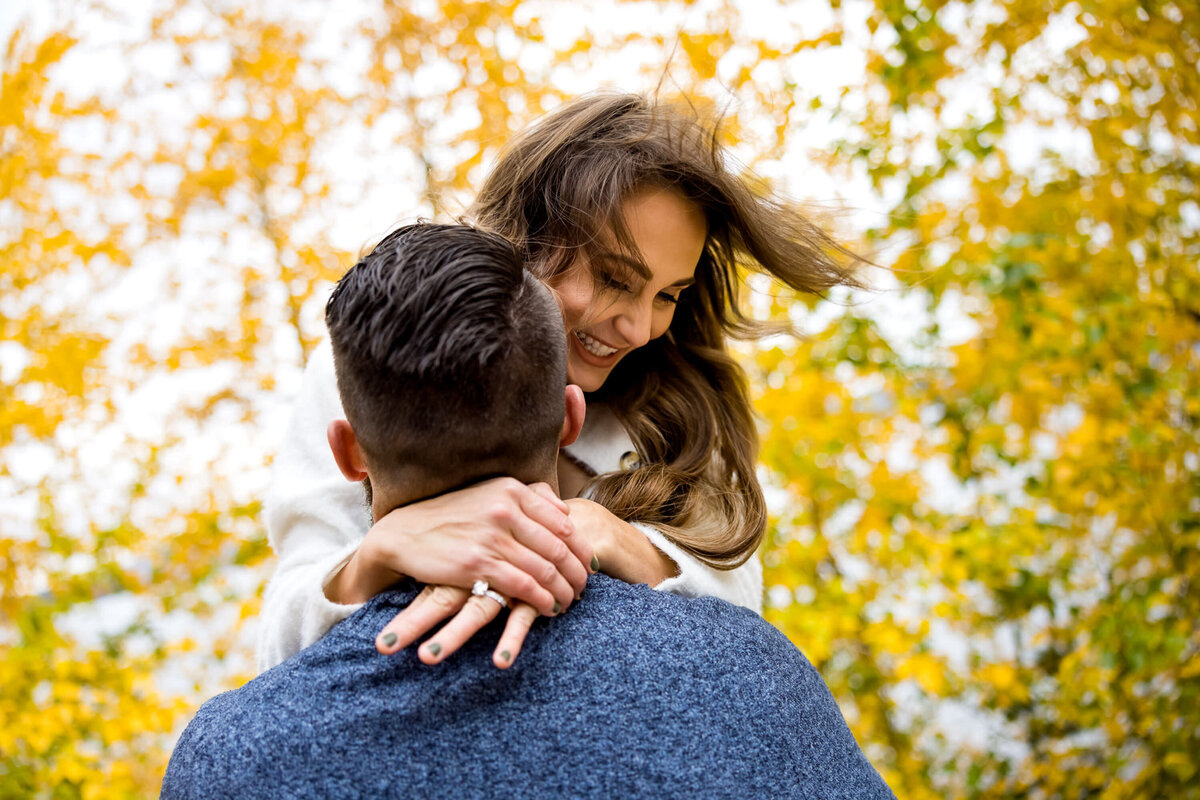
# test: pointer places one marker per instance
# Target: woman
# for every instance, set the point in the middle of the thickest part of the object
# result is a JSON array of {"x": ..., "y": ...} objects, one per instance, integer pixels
[{"x": 626, "y": 209}]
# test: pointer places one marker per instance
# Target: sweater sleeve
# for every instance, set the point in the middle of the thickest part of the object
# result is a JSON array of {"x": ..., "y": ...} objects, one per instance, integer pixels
[
  {"x": 315, "y": 520},
  {"x": 742, "y": 586}
]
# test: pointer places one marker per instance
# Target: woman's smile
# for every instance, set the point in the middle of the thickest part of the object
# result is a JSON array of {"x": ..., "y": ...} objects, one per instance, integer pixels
[{"x": 591, "y": 346}]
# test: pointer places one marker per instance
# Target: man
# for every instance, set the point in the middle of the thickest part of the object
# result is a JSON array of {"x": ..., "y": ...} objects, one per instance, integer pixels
[{"x": 451, "y": 363}]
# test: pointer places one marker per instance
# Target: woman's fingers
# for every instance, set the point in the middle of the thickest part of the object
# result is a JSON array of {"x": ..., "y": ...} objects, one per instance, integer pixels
[
  {"x": 520, "y": 620},
  {"x": 512, "y": 581},
  {"x": 571, "y": 553},
  {"x": 564, "y": 577},
  {"x": 543, "y": 489},
  {"x": 468, "y": 615},
  {"x": 430, "y": 607},
  {"x": 474, "y": 615}
]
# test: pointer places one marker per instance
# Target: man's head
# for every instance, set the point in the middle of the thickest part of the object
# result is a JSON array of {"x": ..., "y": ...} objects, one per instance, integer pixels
[{"x": 451, "y": 365}]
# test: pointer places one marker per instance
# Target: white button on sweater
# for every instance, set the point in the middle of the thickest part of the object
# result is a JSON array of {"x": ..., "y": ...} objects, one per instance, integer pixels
[{"x": 316, "y": 519}]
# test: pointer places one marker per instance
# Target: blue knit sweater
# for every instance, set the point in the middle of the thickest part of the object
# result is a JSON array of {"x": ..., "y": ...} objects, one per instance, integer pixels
[{"x": 632, "y": 693}]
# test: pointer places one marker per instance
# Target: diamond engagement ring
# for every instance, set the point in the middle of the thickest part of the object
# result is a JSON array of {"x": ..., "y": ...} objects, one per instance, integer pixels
[{"x": 480, "y": 589}]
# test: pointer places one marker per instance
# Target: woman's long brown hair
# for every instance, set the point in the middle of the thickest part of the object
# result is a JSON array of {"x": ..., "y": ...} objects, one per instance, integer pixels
[{"x": 557, "y": 188}]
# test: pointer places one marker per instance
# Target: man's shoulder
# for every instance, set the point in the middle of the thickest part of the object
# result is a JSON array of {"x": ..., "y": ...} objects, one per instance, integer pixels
[
  {"x": 204, "y": 758},
  {"x": 722, "y": 655},
  {"x": 713, "y": 678},
  {"x": 240, "y": 743}
]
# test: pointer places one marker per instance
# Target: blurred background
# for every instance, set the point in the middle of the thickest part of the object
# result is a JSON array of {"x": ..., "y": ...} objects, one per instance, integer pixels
[{"x": 983, "y": 473}]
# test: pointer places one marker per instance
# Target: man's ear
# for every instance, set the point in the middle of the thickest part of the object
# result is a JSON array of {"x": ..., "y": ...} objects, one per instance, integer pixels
[
  {"x": 346, "y": 451},
  {"x": 573, "y": 420}
]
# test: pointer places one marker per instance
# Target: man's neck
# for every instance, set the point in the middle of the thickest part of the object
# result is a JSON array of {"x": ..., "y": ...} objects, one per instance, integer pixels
[{"x": 390, "y": 496}]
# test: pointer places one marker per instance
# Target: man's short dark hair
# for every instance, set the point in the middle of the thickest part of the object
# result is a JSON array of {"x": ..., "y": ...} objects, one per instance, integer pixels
[{"x": 450, "y": 357}]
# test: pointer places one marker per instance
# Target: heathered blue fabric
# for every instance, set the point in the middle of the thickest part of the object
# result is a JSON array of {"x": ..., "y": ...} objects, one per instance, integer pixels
[{"x": 632, "y": 692}]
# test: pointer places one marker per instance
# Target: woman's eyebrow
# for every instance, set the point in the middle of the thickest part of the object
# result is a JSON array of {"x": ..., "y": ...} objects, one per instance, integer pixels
[
  {"x": 633, "y": 263},
  {"x": 682, "y": 284}
]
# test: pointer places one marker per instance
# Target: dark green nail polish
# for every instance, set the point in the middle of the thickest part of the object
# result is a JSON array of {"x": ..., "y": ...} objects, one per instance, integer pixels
[
  {"x": 595, "y": 564},
  {"x": 507, "y": 656},
  {"x": 557, "y": 607},
  {"x": 389, "y": 639},
  {"x": 435, "y": 648}
]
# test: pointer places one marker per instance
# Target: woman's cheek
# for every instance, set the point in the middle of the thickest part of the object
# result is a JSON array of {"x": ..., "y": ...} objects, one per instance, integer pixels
[
  {"x": 575, "y": 296},
  {"x": 662, "y": 322}
]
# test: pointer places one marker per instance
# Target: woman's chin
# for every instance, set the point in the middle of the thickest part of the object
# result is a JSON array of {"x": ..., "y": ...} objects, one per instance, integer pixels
[{"x": 586, "y": 376}]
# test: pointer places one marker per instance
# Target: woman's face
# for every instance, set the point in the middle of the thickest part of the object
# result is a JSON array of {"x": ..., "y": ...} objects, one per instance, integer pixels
[{"x": 603, "y": 326}]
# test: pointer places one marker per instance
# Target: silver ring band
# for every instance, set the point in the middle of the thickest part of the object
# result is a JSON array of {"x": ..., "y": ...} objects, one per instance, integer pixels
[{"x": 480, "y": 589}]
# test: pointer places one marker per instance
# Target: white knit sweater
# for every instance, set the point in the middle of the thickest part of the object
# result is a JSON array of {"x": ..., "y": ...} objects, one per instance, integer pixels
[{"x": 316, "y": 519}]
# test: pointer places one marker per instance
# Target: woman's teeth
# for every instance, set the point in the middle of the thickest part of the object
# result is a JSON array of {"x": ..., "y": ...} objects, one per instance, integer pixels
[{"x": 594, "y": 347}]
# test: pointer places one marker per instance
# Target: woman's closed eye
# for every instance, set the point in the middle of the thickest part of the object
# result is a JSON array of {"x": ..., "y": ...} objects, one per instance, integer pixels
[{"x": 612, "y": 281}]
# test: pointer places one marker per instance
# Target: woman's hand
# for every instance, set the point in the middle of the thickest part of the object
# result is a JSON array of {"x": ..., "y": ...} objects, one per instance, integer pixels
[
  {"x": 623, "y": 551},
  {"x": 518, "y": 538}
]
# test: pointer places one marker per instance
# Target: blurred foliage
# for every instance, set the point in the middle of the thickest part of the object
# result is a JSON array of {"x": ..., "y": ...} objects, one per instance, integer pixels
[
  {"x": 996, "y": 532},
  {"x": 986, "y": 523}
]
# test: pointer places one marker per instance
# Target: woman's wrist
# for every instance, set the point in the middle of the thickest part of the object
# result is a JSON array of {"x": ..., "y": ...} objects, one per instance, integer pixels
[
  {"x": 623, "y": 551},
  {"x": 362, "y": 577},
  {"x": 647, "y": 563}
]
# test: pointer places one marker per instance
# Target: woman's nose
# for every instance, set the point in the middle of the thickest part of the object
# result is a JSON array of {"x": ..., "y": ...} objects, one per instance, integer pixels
[{"x": 635, "y": 323}]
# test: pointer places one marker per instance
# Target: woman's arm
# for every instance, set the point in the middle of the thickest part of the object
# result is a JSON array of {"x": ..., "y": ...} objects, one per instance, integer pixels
[
  {"x": 639, "y": 553},
  {"x": 315, "y": 521}
]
